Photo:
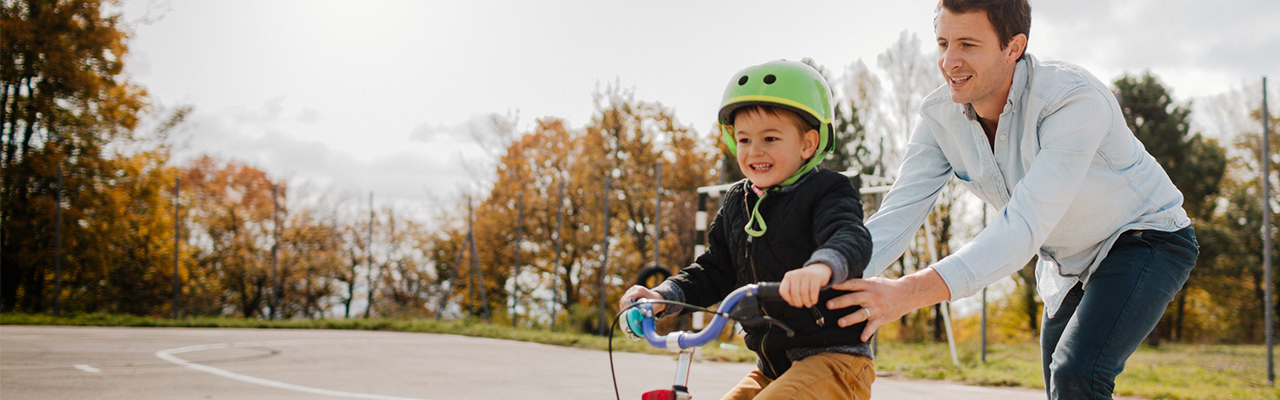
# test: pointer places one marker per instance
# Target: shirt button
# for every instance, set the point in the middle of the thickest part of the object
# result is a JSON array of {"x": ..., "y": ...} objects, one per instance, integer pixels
[{"x": 1002, "y": 137}]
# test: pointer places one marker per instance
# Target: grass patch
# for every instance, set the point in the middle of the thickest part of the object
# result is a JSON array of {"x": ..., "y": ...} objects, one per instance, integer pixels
[
  {"x": 1171, "y": 371},
  {"x": 1189, "y": 371}
]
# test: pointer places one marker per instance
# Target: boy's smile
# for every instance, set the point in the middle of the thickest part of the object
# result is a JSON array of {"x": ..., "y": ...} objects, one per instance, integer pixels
[{"x": 770, "y": 148}]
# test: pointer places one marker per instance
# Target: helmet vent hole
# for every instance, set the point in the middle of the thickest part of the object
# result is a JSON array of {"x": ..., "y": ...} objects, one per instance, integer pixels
[
  {"x": 743, "y": 80},
  {"x": 769, "y": 79}
]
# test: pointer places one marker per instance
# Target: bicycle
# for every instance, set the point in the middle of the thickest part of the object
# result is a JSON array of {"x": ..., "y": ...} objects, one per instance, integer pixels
[{"x": 638, "y": 322}]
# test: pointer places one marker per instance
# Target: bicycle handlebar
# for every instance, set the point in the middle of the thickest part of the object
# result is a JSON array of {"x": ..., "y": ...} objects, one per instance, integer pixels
[{"x": 676, "y": 341}]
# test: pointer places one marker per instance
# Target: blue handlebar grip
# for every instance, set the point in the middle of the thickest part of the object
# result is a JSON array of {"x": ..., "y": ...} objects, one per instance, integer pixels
[{"x": 631, "y": 319}]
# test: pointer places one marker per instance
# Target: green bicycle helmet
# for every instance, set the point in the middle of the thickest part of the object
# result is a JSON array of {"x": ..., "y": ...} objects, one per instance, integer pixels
[{"x": 787, "y": 84}]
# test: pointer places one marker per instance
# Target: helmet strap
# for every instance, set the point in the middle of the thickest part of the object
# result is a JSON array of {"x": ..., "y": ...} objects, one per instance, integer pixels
[
  {"x": 824, "y": 148},
  {"x": 756, "y": 218},
  {"x": 726, "y": 133}
]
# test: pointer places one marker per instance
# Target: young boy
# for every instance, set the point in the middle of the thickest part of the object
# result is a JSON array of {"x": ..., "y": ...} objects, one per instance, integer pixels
[{"x": 787, "y": 221}]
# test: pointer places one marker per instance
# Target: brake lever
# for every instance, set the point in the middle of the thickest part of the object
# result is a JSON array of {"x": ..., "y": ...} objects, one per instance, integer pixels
[
  {"x": 757, "y": 320},
  {"x": 747, "y": 312}
]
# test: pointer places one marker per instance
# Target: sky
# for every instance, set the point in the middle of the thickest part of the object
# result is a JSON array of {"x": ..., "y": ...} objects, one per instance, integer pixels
[{"x": 383, "y": 97}]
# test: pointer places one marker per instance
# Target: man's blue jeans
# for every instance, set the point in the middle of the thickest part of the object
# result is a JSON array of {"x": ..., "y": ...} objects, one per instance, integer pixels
[{"x": 1085, "y": 346}]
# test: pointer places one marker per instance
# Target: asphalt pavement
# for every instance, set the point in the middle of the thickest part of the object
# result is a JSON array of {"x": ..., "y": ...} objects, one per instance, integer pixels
[{"x": 65, "y": 363}]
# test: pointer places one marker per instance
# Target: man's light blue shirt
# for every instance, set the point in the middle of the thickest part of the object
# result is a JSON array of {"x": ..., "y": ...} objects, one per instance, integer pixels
[{"x": 1067, "y": 176}]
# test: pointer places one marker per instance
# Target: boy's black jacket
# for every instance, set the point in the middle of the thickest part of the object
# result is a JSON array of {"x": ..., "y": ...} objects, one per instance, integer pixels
[{"x": 822, "y": 211}]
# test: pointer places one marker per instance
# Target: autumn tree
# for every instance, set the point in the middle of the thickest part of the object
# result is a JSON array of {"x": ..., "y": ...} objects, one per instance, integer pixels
[
  {"x": 850, "y": 139},
  {"x": 625, "y": 139},
  {"x": 1230, "y": 274},
  {"x": 858, "y": 113},
  {"x": 1227, "y": 299},
  {"x": 66, "y": 110},
  {"x": 232, "y": 230},
  {"x": 445, "y": 248},
  {"x": 551, "y": 187},
  {"x": 355, "y": 257},
  {"x": 540, "y": 166},
  {"x": 459, "y": 263},
  {"x": 310, "y": 257},
  {"x": 406, "y": 275},
  {"x": 912, "y": 75}
]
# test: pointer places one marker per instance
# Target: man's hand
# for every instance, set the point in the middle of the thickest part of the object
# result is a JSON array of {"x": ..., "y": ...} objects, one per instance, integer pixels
[
  {"x": 640, "y": 292},
  {"x": 800, "y": 286},
  {"x": 885, "y": 300}
]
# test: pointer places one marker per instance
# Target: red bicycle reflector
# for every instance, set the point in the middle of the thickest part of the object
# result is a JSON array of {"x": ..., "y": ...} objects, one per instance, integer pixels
[{"x": 666, "y": 394}]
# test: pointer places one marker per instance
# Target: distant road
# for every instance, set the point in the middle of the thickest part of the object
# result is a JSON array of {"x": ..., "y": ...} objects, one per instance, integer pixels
[{"x": 66, "y": 363}]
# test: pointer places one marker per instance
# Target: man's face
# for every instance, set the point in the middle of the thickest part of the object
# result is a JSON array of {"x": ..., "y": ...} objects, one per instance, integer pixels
[{"x": 977, "y": 70}]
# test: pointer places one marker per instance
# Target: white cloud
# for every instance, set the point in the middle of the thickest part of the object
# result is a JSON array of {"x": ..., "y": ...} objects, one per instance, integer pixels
[
  {"x": 431, "y": 171},
  {"x": 1197, "y": 48}
]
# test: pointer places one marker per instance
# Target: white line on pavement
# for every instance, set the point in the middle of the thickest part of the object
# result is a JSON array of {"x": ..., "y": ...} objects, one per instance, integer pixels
[
  {"x": 87, "y": 368},
  {"x": 168, "y": 355}
]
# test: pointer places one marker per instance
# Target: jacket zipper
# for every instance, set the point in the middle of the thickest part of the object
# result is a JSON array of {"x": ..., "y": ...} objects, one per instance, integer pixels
[
  {"x": 817, "y": 316},
  {"x": 755, "y": 277},
  {"x": 764, "y": 341}
]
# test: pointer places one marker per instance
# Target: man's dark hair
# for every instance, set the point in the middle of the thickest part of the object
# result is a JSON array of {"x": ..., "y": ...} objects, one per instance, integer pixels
[{"x": 1009, "y": 17}]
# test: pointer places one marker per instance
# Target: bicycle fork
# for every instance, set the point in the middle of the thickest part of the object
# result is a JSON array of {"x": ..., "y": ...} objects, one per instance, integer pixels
[{"x": 680, "y": 388}]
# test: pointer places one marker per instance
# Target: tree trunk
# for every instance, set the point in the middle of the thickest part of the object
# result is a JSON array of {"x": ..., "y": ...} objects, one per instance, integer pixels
[
  {"x": 1261, "y": 295},
  {"x": 570, "y": 292},
  {"x": 1156, "y": 336},
  {"x": 351, "y": 290},
  {"x": 939, "y": 325},
  {"x": 33, "y": 289},
  {"x": 1180, "y": 313}
]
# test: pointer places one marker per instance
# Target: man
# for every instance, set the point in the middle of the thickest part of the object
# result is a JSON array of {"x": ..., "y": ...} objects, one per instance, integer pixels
[{"x": 1046, "y": 144}]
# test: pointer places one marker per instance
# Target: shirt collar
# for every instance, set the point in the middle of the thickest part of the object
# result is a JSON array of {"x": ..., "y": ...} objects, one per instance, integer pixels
[{"x": 1021, "y": 81}]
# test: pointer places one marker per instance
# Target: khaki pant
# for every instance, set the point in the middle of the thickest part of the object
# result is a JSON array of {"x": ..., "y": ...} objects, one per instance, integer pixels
[{"x": 820, "y": 376}]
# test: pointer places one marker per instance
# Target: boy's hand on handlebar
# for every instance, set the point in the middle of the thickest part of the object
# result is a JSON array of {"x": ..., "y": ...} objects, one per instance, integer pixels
[
  {"x": 800, "y": 287},
  {"x": 638, "y": 292}
]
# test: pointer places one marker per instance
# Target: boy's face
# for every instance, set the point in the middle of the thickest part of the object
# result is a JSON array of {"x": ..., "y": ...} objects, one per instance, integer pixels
[{"x": 770, "y": 148}]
